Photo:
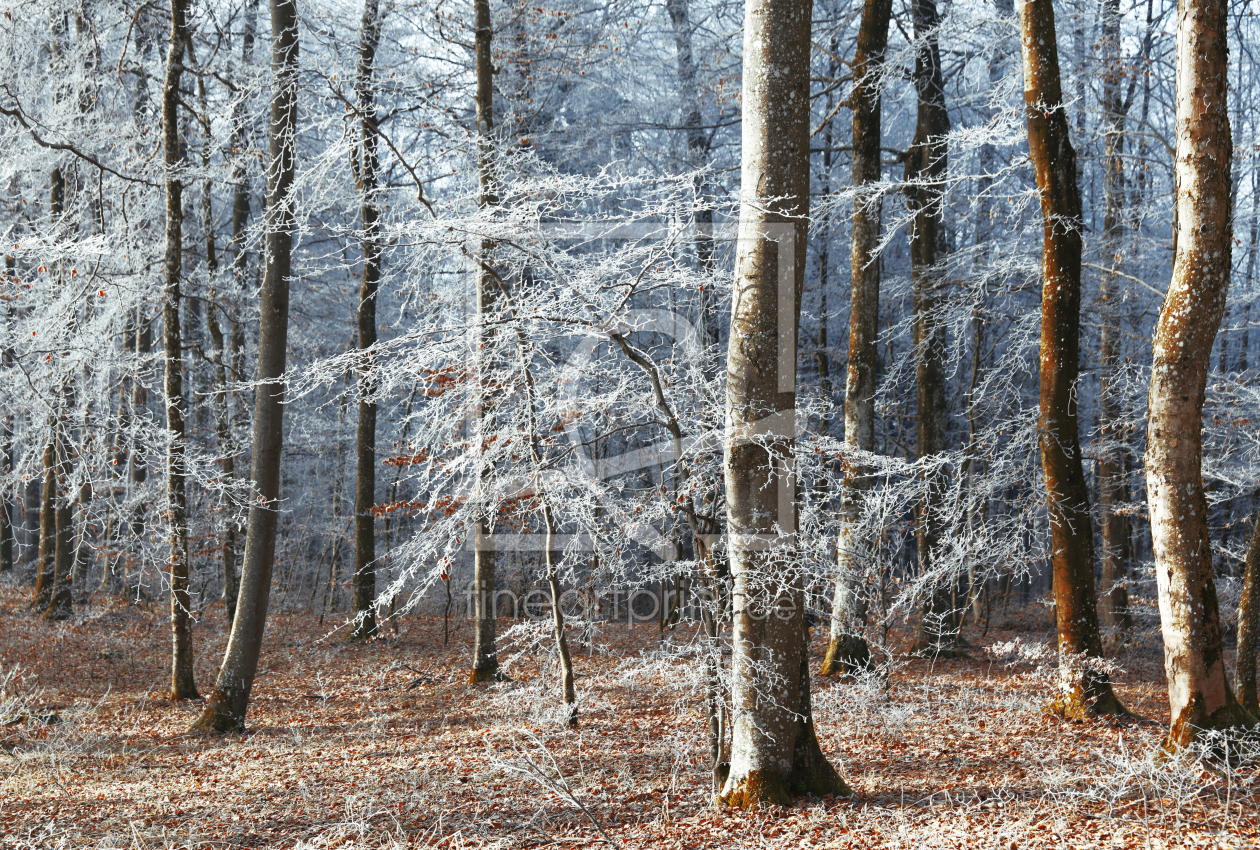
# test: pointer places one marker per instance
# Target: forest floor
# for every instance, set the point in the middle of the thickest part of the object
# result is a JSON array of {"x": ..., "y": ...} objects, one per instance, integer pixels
[{"x": 383, "y": 745}]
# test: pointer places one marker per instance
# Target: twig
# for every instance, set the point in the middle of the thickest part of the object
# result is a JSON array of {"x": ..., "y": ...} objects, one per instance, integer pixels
[{"x": 529, "y": 768}]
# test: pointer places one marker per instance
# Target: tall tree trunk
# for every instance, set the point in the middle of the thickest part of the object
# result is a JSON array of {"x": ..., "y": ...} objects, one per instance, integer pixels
[
  {"x": 1115, "y": 531},
  {"x": 703, "y": 522},
  {"x": 846, "y": 647},
  {"x": 48, "y": 498},
  {"x": 6, "y": 443},
  {"x": 183, "y": 685},
  {"x": 227, "y": 446},
  {"x": 926, "y": 166},
  {"x": 6, "y": 499},
  {"x": 697, "y": 151},
  {"x": 485, "y": 654},
  {"x": 82, "y": 542},
  {"x": 984, "y": 230},
  {"x": 1249, "y": 622},
  {"x": 46, "y": 559},
  {"x": 229, "y": 344},
  {"x": 1199, "y": 695},
  {"x": 218, "y": 357},
  {"x": 56, "y": 521},
  {"x": 365, "y": 481},
  {"x": 1082, "y": 691},
  {"x": 225, "y": 710},
  {"x": 567, "y": 687},
  {"x": 61, "y": 601},
  {"x": 775, "y": 751}
]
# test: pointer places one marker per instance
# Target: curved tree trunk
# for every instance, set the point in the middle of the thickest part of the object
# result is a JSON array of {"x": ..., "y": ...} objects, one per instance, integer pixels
[
  {"x": 365, "y": 480},
  {"x": 774, "y": 750},
  {"x": 1199, "y": 695},
  {"x": 182, "y": 684},
  {"x": 225, "y": 710},
  {"x": 1082, "y": 691},
  {"x": 846, "y": 647},
  {"x": 926, "y": 166},
  {"x": 485, "y": 655}
]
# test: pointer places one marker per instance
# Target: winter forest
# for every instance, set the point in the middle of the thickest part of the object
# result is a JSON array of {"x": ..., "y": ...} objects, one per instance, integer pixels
[{"x": 466, "y": 423}]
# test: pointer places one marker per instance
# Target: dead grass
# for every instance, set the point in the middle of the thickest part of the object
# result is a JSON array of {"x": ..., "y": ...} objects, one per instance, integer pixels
[{"x": 383, "y": 745}]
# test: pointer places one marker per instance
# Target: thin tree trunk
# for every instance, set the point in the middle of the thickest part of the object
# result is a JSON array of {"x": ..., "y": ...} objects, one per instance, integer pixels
[
  {"x": 339, "y": 481},
  {"x": 46, "y": 560},
  {"x": 697, "y": 149},
  {"x": 365, "y": 480},
  {"x": 1115, "y": 533},
  {"x": 225, "y": 710},
  {"x": 1253, "y": 242},
  {"x": 980, "y": 595},
  {"x": 1199, "y": 695},
  {"x": 846, "y": 647},
  {"x": 183, "y": 685},
  {"x": 61, "y": 546},
  {"x": 229, "y": 344},
  {"x": 227, "y": 455},
  {"x": 775, "y": 751},
  {"x": 6, "y": 443},
  {"x": 976, "y": 583},
  {"x": 703, "y": 524},
  {"x": 1082, "y": 691},
  {"x": 139, "y": 460},
  {"x": 1249, "y": 622},
  {"x": 83, "y": 546},
  {"x": 926, "y": 166},
  {"x": 219, "y": 356},
  {"x": 567, "y": 686},
  {"x": 485, "y": 654},
  {"x": 47, "y": 510},
  {"x": 6, "y": 500}
]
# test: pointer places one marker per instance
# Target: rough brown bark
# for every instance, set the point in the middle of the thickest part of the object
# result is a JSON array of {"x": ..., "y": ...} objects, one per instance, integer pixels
[
  {"x": 1082, "y": 690},
  {"x": 226, "y": 708},
  {"x": 926, "y": 166},
  {"x": 1249, "y": 622},
  {"x": 365, "y": 442},
  {"x": 846, "y": 647},
  {"x": 183, "y": 685},
  {"x": 1114, "y": 601},
  {"x": 485, "y": 654},
  {"x": 1199, "y": 695},
  {"x": 774, "y": 751}
]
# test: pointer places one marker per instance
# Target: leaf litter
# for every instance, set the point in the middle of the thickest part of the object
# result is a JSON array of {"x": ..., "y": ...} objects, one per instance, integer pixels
[{"x": 383, "y": 745}]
